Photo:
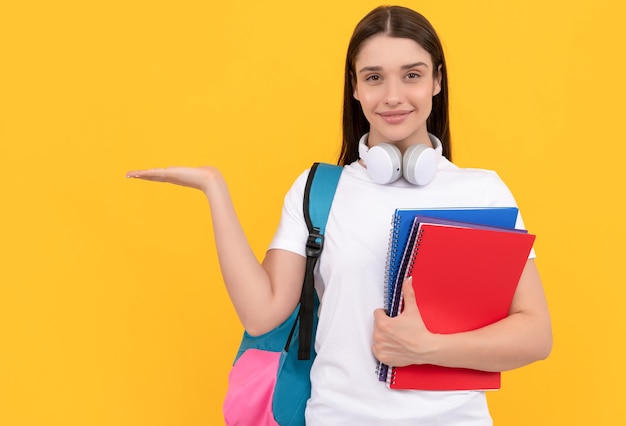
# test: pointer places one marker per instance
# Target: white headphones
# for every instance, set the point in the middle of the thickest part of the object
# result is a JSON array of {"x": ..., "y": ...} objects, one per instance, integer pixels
[{"x": 385, "y": 163}]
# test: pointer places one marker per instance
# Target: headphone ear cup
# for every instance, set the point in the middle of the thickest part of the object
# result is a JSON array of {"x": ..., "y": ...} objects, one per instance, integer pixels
[
  {"x": 384, "y": 162},
  {"x": 419, "y": 164}
]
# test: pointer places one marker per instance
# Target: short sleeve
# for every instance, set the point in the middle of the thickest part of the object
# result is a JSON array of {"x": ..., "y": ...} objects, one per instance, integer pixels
[
  {"x": 292, "y": 231},
  {"x": 504, "y": 197}
]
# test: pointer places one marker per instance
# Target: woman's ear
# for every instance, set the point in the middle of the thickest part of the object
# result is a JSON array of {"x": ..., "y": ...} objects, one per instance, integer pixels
[
  {"x": 355, "y": 92},
  {"x": 438, "y": 78}
]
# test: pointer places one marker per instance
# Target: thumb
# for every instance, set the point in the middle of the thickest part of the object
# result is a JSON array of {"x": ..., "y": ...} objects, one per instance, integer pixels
[
  {"x": 408, "y": 294},
  {"x": 379, "y": 314}
]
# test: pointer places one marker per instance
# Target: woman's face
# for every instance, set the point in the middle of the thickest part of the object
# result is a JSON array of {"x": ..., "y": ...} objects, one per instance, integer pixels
[{"x": 394, "y": 83}]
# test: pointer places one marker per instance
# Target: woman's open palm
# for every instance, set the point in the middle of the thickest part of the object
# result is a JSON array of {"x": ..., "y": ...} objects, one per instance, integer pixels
[{"x": 193, "y": 177}]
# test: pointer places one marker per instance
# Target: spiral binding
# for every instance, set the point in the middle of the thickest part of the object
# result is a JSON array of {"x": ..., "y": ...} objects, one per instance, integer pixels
[
  {"x": 395, "y": 277},
  {"x": 404, "y": 270},
  {"x": 390, "y": 265},
  {"x": 390, "y": 273},
  {"x": 408, "y": 258},
  {"x": 415, "y": 241},
  {"x": 391, "y": 377}
]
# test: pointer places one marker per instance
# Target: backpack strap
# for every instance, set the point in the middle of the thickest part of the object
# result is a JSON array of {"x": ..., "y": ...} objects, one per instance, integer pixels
[{"x": 318, "y": 198}]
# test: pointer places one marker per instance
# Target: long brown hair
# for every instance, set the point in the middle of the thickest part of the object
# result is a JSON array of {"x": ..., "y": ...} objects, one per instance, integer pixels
[{"x": 401, "y": 22}]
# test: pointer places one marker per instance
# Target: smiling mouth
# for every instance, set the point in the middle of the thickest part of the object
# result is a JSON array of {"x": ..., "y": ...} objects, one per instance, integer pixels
[{"x": 394, "y": 116}]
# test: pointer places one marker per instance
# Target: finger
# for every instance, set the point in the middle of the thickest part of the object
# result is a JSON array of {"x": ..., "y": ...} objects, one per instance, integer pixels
[
  {"x": 408, "y": 293},
  {"x": 158, "y": 173},
  {"x": 380, "y": 323},
  {"x": 175, "y": 175},
  {"x": 379, "y": 314}
]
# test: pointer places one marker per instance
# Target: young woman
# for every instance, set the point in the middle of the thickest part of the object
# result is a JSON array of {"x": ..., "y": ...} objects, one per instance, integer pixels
[{"x": 396, "y": 95}]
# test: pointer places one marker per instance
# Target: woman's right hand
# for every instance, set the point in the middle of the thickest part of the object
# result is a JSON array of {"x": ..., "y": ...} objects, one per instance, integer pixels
[
  {"x": 192, "y": 177},
  {"x": 263, "y": 294}
]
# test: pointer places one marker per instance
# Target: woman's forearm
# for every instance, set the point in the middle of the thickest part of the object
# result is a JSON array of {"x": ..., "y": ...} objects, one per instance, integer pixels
[
  {"x": 263, "y": 296},
  {"x": 523, "y": 337}
]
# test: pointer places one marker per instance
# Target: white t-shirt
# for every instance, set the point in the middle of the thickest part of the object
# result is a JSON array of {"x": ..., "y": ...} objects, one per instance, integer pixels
[{"x": 350, "y": 283}]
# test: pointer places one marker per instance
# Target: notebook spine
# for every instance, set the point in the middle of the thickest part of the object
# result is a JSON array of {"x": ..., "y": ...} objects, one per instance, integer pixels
[
  {"x": 390, "y": 372},
  {"x": 416, "y": 246},
  {"x": 382, "y": 371},
  {"x": 391, "y": 271},
  {"x": 409, "y": 269},
  {"x": 402, "y": 271},
  {"x": 391, "y": 377},
  {"x": 391, "y": 268}
]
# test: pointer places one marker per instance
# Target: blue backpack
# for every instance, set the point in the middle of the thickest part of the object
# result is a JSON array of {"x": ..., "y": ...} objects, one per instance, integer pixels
[{"x": 269, "y": 383}]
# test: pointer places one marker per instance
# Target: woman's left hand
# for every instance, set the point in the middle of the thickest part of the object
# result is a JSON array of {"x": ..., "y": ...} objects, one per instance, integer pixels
[{"x": 404, "y": 339}]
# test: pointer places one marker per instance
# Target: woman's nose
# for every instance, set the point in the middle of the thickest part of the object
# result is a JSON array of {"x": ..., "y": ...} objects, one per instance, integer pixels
[{"x": 393, "y": 94}]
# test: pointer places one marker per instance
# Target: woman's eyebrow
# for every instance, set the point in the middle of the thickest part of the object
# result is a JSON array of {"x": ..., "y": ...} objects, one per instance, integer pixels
[
  {"x": 404, "y": 67},
  {"x": 414, "y": 65},
  {"x": 371, "y": 69}
]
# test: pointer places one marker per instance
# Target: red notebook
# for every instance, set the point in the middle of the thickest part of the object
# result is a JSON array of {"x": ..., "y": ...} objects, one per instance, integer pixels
[{"x": 464, "y": 278}]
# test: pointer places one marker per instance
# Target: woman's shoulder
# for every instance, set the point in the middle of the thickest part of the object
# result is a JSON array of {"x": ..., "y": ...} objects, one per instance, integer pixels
[
  {"x": 471, "y": 179},
  {"x": 446, "y": 167},
  {"x": 298, "y": 185}
]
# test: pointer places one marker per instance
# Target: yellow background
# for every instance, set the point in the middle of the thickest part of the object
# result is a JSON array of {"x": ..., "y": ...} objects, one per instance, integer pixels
[{"x": 112, "y": 311}]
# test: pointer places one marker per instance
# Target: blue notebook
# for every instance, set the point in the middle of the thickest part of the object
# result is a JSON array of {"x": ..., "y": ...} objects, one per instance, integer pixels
[{"x": 399, "y": 244}]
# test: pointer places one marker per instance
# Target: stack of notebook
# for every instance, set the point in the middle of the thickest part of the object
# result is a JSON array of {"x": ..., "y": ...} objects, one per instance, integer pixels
[{"x": 465, "y": 265}]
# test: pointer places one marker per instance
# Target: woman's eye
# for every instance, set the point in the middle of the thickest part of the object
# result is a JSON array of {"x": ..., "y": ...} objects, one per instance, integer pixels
[
  {"x": 373, "y": 78},
  {"x": 412, "y": 75}
]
